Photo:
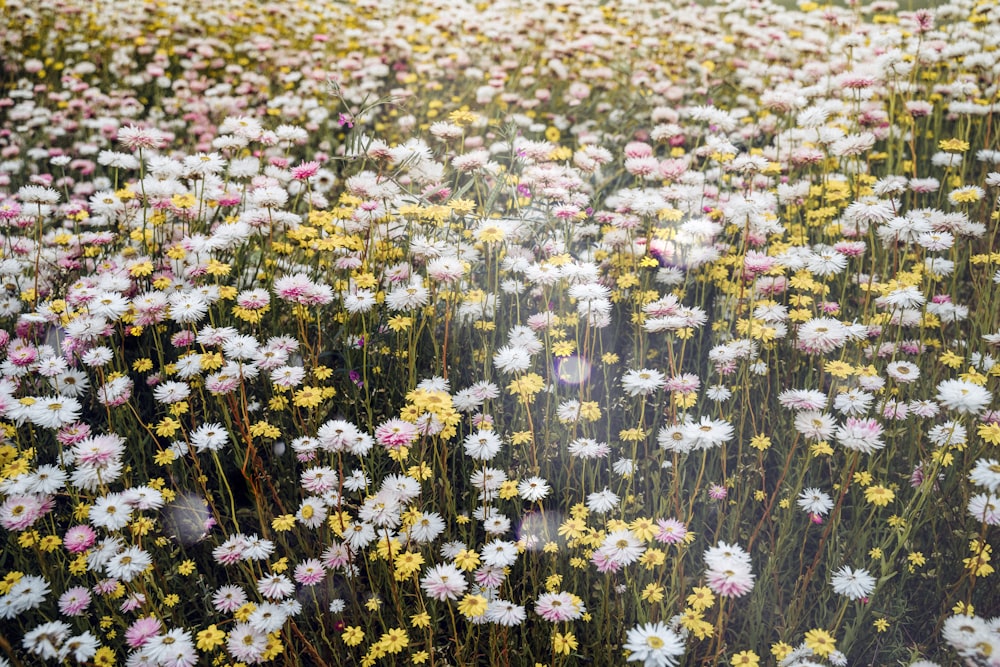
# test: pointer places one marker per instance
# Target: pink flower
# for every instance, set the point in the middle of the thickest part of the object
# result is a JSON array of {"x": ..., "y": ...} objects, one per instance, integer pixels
[
  {"x": 142, "y": 631},
  {"x": 305, "y": 171},
  {"x": 299, "y": 288},
  {"x": 79, "y": 538},
  {"x": 732, "y": 582},
  {"x": 443, "y": 582},
  {"x": 717, "y": 492},
  {"x": 559, "y": 607},
  {"x": 22, "y": 511},
  {"x": 309, "y": 572},
  {"x": 74, "y": 601},
  {"x": 395, "y": 433},
  {"x": 671, "y": 531}
]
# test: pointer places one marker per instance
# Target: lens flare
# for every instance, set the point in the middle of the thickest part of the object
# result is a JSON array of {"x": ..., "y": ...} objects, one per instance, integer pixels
[
  {"x": 573, "y": 369},
  {"x": 188, "y": 519},
  {"x": 539, "y": 528}
]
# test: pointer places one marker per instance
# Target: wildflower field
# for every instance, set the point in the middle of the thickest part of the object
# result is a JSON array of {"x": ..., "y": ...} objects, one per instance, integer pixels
[{"x": 502, "y": 333}]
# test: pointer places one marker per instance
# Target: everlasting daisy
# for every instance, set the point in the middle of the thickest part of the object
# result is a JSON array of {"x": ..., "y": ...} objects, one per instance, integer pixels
[
  {"x": 483, "y": 445},
  {"x": 854, "y": 584},
  {"x": 654, "y": 644},
  {"x": 443, "y": 582},
  {"x": 643, "y": 382},
  {"x": 246, "y": 644},
  {"x": 985, "y": 508},
  {"x": 861, "y": 435},
  {"x": 46, "y": 640},
  {"x": 503, "y": 612},
  {"x": 559, "y": 607},
  {"x": 128, "y": 564},
  {"x": 962, "y": 396},
  {"x": 986, "y": 473},
  {"x": 74, "y": 601},
  {"x": 533, "y": 489},
  {"x": 815, "y": 502}
]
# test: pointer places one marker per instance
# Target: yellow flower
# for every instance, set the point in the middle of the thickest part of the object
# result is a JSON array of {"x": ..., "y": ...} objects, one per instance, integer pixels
[
  {"x": 142, "y": 365},
  {"x": 490, "y": 234},
  {"x": 420, "y": 472},
  {"x": 953, "y": 145},
  {"x": 164, "y": 457},
  {"x": 186, "y": 568},
  {"x": 653, "y": 558},
  {"x": 400, "y": 323},
  {"x": 951, "y": 360},
  {"x": 879, "y": 495},
  {"x": 421, "y": 620},
  {"x": 694, "y": 623},
  {"x": 353, "y": 635},
  {"x": 821, "y": 448},
  {"x": 564, "y": 643},
  {"x": 308, "y": 397},
  {"x": 407, "y": 564},
  {"x": 283, "y": 522},
  {"x": 745, "y": 659},
  {"x": 105, "y": 657},
  {"x": 526, "y": 386},
  {"x": 210, "y": 638},
  {"x": 963, "y": 608},
  {"x": 564, "y": 348},
  {"x": 653, "y": 593},
  {"x": 821, "y": 642},
  {"x": 420, "y": 657},
  {"x": 50, "y": 543},
  {"x": 590, "y": 411},
  {"x": 141, "y": 269},
  {"x": 838, "y": 369},
  {"x": 243, "y": 613},
  {"x": 701, "y": 598},
  {"x": 472, "y": 606},
  {"x": 989, "y": 433},
  {"x": 760, "y": 442},
  {"x": 264, "y": 429},
  {"x": 881, "y": 625},
  {"x": 520, "y": 437},
  {"x": 167, "y": 427},
  {"x": 780, "y": 650},
  {"x": 395, "y": 640},
  {"x": 8, "y": 581},
  {"x": 508, "y": 490}
]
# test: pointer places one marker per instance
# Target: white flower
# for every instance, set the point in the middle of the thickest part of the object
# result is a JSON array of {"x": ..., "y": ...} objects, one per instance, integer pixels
[
  {"x": 903, "y": 372},
  {"x": 962, "y": 396},
  {"x": 511, "y": 359},
  {"x": 533, "y": 489},
  {"x": 814, "y": 501},
  {"x": 654, "y": 644},
  {"x": 854, "y": 584},
  {"x": 642, "y": 382},
  {"x": 986, "y": 473},
  {"x": 985, "y": 508},
  {"x": 602, "y": 501},
  {"x": 482, "y": 445}
]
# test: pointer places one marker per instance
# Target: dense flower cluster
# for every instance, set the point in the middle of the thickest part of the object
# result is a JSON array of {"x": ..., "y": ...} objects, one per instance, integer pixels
[{"x": 498, "y": 333}]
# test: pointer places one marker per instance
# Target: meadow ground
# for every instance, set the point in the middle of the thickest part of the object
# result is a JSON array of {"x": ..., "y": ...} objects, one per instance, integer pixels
[{"x": 499, "y": 333}]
